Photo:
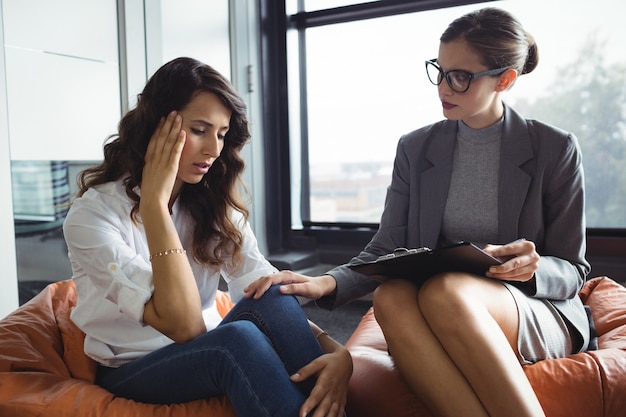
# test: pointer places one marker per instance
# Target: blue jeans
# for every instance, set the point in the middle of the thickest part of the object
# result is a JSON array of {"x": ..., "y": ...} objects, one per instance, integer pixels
[{"x": 248, "y": 357}]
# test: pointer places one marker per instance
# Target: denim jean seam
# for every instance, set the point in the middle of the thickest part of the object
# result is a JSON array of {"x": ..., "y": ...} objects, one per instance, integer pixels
[
  {"x": 169, "y": 359},
  {"x": 262, "y": 325},
  {"x": 161, "y": 362}
]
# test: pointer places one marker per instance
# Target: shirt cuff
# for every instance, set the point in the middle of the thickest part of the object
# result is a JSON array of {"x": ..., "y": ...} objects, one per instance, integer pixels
[{"x": 130, "y": 296}]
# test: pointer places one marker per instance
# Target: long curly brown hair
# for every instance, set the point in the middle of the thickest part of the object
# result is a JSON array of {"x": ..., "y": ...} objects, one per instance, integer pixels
[{"x": 172, "y": 87}]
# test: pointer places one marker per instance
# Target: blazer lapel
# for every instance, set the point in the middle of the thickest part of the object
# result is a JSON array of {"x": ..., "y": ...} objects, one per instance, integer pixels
[
  {"x": 435, "y": 182},
  {"x": 514, "y": 181}
]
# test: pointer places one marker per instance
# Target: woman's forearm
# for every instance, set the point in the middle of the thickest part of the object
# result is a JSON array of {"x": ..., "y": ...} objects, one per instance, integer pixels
[
  {"x": 175, "y": 307},
  {"x": 328, "y": 344}
]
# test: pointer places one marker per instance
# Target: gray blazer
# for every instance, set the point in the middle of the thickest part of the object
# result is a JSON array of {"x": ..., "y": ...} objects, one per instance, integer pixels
[{"x": 541, "y": 198}]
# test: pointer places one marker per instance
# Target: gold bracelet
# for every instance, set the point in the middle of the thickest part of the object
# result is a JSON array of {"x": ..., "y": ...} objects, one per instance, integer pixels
[
  {"x": 320, "y": 334},
  {"x": 167, "y": 252}
]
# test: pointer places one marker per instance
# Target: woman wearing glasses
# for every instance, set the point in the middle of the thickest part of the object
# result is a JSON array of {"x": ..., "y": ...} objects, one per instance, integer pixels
[{"x": 489, "y": 176}]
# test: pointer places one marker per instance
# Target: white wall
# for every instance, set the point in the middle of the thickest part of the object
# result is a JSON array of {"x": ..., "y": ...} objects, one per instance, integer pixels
[
  {"x": 8, "y": 277},
  {"x": 62, "y": 76}
]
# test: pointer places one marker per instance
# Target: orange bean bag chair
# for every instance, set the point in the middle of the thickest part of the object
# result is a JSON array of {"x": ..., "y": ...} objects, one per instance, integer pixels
[
  {"x": 44, "y": 371},
  {"x": 589, "y": 384}
]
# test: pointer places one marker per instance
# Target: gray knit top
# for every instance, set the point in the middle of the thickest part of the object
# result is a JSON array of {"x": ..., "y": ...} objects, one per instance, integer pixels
[{"x": 471, "y": 212}]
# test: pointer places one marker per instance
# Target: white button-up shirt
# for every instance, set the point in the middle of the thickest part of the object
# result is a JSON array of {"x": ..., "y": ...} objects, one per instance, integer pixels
[{"x": 110, "y": 263}]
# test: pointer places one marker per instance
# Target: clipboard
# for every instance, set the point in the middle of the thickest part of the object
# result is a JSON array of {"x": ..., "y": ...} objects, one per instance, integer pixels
[{"x": 419, "y": 264}]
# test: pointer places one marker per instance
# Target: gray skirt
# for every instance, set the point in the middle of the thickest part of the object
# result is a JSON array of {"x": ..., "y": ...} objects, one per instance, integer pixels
[{"x": 543, "y": 334}]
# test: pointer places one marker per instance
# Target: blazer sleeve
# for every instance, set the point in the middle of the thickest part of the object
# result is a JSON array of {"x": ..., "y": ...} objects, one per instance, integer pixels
[{"x": 563, "y": 268}]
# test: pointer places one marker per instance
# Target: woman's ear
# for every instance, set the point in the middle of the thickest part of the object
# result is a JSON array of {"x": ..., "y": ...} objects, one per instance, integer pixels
[{"x": 507, "y": 78}]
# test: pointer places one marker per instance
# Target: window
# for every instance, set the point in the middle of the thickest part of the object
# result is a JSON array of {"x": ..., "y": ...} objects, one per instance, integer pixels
[{"x": 355, "y": 86}]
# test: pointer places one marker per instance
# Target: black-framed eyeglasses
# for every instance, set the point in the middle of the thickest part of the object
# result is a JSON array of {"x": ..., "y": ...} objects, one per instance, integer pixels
[{"x": 458, "y": 80}]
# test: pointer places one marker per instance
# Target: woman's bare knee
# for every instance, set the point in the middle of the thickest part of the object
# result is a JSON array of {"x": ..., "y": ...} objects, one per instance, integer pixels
[
  {"x": 392, "y": 296},
  {"x": 442, "y": 294},
  {"x": 453, "y": 302},
  {"x": 388, "y": 293}
]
